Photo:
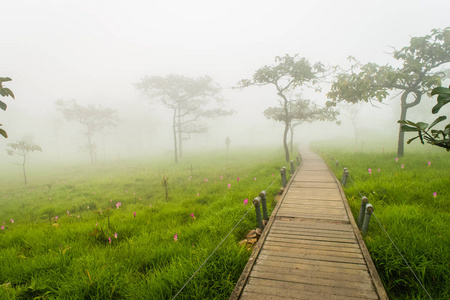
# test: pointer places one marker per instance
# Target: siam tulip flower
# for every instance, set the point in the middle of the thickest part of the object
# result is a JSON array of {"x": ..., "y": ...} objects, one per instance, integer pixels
[
  {"x": 238, "y": 179},
  {"x": 150, "y": 205},
  {"x": 109, "y": 239},
  {"x": 370, "y": 171},
  {"x": 93, "y": 193},
  {"x": 272, "y": 174},
  {"x": 245, "y": 202},
  {"x": 3, "y": 227},
  {"x": 139, "y": 198},
  {"x": 100, "y": 211},
  {"x": 56, "y": 218},
  {"x": 403, "y": 166},
  {"x": 255, "y": 178},
  {"x": 192, "y": 216},
  {"x": 429, "y": 163},
  {"x": 78, "y": 216},
  {"x": 229, "y": 186},
  {"x": 434, "y": 194},
  {"x": 115, "y": 235},
  {"x": 110, "y": 200},
  {"x": 198, "y": 194},
  {"x": 221, "y": 177},
  {"x": 96, "y": 224},
  {"x": 205, "y": 180},
  {"x": 134, "y": 214},
  {"x": 12, "y": 221},
  {"x": 68, "y": 212},
  {"x": 396, "y": 159},
  {"x": 175, "y": 237},
  {"x": 379, "y": 170}
]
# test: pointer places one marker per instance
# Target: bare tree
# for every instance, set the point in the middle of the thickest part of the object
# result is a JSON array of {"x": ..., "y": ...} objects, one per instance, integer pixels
[{"x": 22, "y": 148}]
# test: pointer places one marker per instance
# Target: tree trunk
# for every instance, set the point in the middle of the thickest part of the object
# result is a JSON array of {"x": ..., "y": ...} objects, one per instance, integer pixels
[
  {"x": 174, "y": 126},
  {"x": 404, "y": 108},
  {"x": 23, "y": 167},
  {"x": 91, "y": 148},
  {"x": 180, "y": 133},
  {"x": 285, "y": 145},
  {"x": 291, "y": 143}
]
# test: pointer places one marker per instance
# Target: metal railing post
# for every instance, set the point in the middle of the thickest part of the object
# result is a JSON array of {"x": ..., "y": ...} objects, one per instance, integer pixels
[
  {"x": 263, "y": 196},
  {"x": 257, "y": 204},
  {"x": 369, "y": 211},
  {"x": 362, "y": 211},
  {"x": 344, "y": 177}
]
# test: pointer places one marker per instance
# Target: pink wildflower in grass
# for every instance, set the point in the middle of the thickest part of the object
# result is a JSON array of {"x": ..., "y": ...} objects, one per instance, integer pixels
[
  {"x": 56, "y": 218},
  {"x": 93, "y": 193},
  {"x": 429, "y": 163},
  {"x": 396, "y": 159},
  {"x": 192, "y": 216},
  {"x": 221, "y": 177},
  {"x": 198, "y": 194},
  {"x": 403, "y": 166},
  {"x": 434, "y": 194},
  {"x": 96, "y": 224},
  {"x": 139, "y": 198},
  {"x": 134, "y": 214},
  {"x": 370, "y": 171},
  {"x": 205, "y": 180},
  {"x": 12, "y": 221},
  {"x": 68, "y": 212},
  {"x": 115, "y": 235},
  {"x": 379, "y": 170},
  {"x": 238, "y": 179},
  {"x": 78, "y": 216},
  {"x": 229, "y": 186},
  {"x": 100, "y": 211},
  {"x": 272, "y": 174},
  {"x": 150, "y": 205},
  {"x": 109, "y": 239},
  {"x": 50, "y": 198},
  {"x": 245, "y": 202},
  {"x": 110, "y": 200},
  {"x": 3, "y": 227},
  {"x": 175, "y": 237},
  {"x": 255, "y": 178}
]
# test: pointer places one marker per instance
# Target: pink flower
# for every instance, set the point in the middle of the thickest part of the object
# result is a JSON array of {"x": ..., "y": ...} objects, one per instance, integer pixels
[
  {"x": 205, "y": 180},
  {"x": 379, "y": 170},
  {"x": 110, "y": 200},
  {"x": 255, "y": 178},
  {"x": 370, "y": 171},
  {"x": 93, "y": 193},
  {"x": 12, "y": 221},
  {"x": 434, "y": 194},
  {"x": 109, "y": 239},
  {"x": 272, "y": 174},
  {"x": 78, "y": 216},
  {"x": 396, "y": 159},
  {"x": 115, "y": 235},
  {"x": 245, "y": 202},
  {"x": 134, "y": 214},
  {"x": 403, "y": 166},
  {"x": 429, "y": 163},
  {"x": 100, "y": 211},
  {"x": 229, "y": 186},
  {"x": 238, "y": 179},
  {"x": 192, "y": 216},
  {"x": 175, "y": 237},
  {"x": 198, "y": 194},
  {"x": 56, "y": 218},
  {"x": 221, "y": 177},
  {"x": 96, "y": 224},
  {"x": 3, "y": 227},
  {"x": 50, "y": 198},
  {"x": 150, "y": 205},
  {"x": 139, "y": 198},
  {"x": 68, "y": 212}
]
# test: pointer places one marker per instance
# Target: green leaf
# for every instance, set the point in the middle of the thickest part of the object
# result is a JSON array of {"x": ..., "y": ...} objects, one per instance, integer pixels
[
  {"x": 3, "y": 105},
  {"x": 438, "y": 106},
  {"x": 407, "y": 128},
  {"x": 4, "y": 79},
  {"x": 438, "y": 120},
  {"x": 422, "y": 125},
  {"x": 441, "y": 91},
  {"x": 9, "y": 92},
  {"x": 410, "y": 140},
  {"x": 2, "y": 132}
]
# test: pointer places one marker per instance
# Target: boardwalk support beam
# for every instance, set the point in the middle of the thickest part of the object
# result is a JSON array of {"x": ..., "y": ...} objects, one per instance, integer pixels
[
  {"x": 362, "y": 211},
  {"x": 257, "y": 204},
  {"x": 369, "y": 211},
  {"x": 283, "y": 176},
  {"x": 263, "y": 196}
]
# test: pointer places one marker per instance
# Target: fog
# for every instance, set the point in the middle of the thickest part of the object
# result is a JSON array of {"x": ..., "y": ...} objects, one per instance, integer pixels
[{"x": 95, "y": 51}]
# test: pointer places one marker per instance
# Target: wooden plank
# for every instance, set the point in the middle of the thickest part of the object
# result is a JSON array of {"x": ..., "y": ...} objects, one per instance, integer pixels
[
  {"x": 313, "y": 238},
  {"x": 346, "y": 247},
  {"x": 318, "y": 232},
  {"x": 313, "y": 252},
  {"x": 301, "y": 288},
  {"x": 306, "y": 255},
  {"x": 296, "y": 260},
  {"x": 318, "y": 225}
]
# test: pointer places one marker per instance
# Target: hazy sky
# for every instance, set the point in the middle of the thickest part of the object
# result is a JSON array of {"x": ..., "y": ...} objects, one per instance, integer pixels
[{"x": 93, "y": 51}]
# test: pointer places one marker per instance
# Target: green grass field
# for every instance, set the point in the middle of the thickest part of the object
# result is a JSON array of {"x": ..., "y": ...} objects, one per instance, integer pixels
[
  {"x": 411, "y": 197},
  {"x": 146, "y": 248}
]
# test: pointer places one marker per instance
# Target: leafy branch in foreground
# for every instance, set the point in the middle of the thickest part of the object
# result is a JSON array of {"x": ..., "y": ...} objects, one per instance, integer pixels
[
  {"x": 4, "y": 92},
  {"x": 440, "y": 138}
]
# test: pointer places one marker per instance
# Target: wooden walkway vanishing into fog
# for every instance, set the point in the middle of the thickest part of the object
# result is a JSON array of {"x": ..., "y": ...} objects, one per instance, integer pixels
[{"x": 311, "y": 247}]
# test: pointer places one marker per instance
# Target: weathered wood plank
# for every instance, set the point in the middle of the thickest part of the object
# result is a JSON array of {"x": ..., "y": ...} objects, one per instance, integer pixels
[
  {"x": 316, "y": 252},
  {"x": 296, "y": 260},
  {"x": 312, "y": 224},
  {"x": 304, "y": 255},
  {"x": 345, "y": 247}
]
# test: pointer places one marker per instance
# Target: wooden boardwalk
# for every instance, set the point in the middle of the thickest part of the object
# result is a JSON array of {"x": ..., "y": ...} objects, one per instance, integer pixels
[{"x": 310, "y": 248}]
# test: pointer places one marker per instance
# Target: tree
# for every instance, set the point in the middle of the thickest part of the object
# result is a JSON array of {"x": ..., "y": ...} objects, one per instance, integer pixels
[
  {"x": 299, "y": 111},
  {"x": 189, "y": 99},
  {"x": 227, "y": 142},
  {"x": 4, "y": 92},
  {"x": 22, "y": 148},
  {"x": 417, "y": 76},
  {"x": 288, "y": 73},
  {"x": 440, "y": 138},
  {"x": 94, "y": 119}
]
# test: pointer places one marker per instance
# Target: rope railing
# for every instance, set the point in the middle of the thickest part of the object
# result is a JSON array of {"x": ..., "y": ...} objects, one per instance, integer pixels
[
  {"x": 262, "y": 195},
  {"x": 363, "y": 222}
]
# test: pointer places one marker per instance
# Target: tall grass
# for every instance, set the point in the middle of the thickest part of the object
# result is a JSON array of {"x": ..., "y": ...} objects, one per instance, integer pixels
[
  {"x": 406, "y": 206},
  {"x": 77, "y": 255}
]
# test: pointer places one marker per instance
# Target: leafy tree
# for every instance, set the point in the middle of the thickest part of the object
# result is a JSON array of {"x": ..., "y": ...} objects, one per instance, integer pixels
[
  {"x": 417, "y": 76},
  {"x": 190, "y": 100},
  {"x": 4, "y": 92},
  {"x": 227, "y": 143},
  {"x": 440, "y": 138},
  {"x": 22, "y": 148},
  {"x": 94, "y": 119},
  {"x": 287, "y": 74}
]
